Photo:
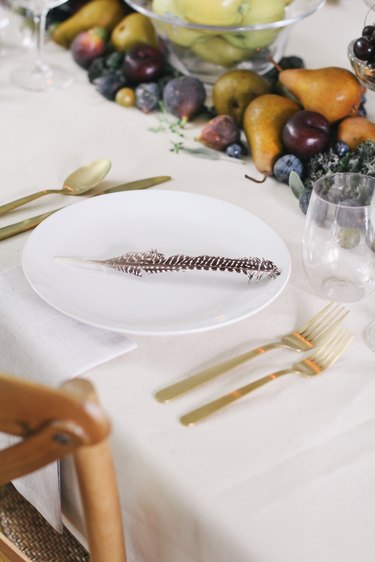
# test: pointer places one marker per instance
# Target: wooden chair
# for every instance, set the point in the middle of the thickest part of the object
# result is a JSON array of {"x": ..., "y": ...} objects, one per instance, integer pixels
[{"x": 54, "y": 423}]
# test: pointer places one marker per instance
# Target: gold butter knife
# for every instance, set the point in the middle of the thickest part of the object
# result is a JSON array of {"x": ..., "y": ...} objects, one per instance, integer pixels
[{"x": 28, "y": 224}]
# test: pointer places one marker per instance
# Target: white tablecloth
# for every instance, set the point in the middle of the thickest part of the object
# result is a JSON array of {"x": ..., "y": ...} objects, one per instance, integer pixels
[{"x": 286, "y": 475}]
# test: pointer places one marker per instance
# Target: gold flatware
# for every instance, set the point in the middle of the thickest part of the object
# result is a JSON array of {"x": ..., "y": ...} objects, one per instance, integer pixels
[
  {"x": 28, "y": 224},
  {"x": 324, "y": 357},
  {"x": 77, "y": 183},
  {"x": 306, "y": 337}
]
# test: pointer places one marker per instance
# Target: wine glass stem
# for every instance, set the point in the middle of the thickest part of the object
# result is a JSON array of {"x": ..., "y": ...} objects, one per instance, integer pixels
[{"x": 40, "y": 22}]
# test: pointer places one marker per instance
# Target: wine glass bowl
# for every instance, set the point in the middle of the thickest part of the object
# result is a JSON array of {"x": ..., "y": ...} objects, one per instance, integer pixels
[
  {"x": 338, "y": 247},
  {"x": 40, "y": 76},
  {"x": 206, "y": 50}
]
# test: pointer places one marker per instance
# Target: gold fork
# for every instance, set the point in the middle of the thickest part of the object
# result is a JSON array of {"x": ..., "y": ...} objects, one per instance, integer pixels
[
  {"x": 303, "y": 339},
  {"x": 313, "y": 365}
]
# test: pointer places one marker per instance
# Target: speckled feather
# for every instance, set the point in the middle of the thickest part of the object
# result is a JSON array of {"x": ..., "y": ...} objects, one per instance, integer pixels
[{"x": 152, "y": 261}]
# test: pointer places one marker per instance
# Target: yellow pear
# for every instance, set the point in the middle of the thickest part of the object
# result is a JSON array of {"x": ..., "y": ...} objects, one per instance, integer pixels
[
  {"x": 132, "y": 30},
  {"x": 332, "y": 91},
  {"x": 235, "y": 89},
  {"x": 264, "y": 120},
  {"x": 354, "y": 130},
  {"x": 102, "y": 13}
]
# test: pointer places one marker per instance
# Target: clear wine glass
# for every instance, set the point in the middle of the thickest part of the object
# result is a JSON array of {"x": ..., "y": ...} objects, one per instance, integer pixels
[
  {"x": 339, "y": 237},
  {"x": 370, "y": 329},
  {"x": 4, "y": 22},
  {"x": 366, "y": 75},
  {"x": 15, "y": 34},
  {"x": 40, "y": 76}
]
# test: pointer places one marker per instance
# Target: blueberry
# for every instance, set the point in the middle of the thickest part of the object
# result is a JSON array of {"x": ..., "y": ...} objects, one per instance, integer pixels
[
  {"x": 305, "y": 200},
  {"x": 109, "y": 85},
  {"x": 147, "y": 96},
  {"x": 341, "y": 148},
  {"x": 236, "y": 150},
  {"x": 284, "y": 165}
]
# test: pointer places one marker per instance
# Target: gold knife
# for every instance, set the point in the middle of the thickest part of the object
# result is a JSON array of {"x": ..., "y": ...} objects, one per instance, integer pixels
[{"x": 28, "y": 224}]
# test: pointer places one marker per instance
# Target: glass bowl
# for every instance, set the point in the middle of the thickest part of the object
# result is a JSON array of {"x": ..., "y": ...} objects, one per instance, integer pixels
[
  {"x": 364, "y": 72},
  {"x": 205, "y": 38}
]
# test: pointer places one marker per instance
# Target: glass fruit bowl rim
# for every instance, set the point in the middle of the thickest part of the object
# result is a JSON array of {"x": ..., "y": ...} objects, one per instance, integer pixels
[
  {"x": 358, "y": 61},
  {"x": 294, "y": 12}
]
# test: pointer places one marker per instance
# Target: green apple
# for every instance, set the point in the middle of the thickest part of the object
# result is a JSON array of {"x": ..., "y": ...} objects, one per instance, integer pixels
[
  {"x": 258, "y": 12},
  {"x": 214, "y": 12},
  {"x": 165, "y": 6},
  {"x": 216, "y": 50},
  {"x": 177, "y": 34}
]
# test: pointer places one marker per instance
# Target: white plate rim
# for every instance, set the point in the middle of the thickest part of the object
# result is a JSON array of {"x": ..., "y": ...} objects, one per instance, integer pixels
[{"x": 132, "y": 329}]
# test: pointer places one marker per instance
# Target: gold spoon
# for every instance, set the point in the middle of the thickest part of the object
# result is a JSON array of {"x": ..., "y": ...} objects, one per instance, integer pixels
[{"x": 77, "y": 183}]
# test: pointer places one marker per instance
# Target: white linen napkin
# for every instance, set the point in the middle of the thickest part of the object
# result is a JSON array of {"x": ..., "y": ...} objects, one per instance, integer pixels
[{"x": 42, "y": 344}]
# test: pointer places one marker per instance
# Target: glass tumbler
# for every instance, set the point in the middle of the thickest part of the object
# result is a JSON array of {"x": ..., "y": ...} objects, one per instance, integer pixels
[{"x": 338, "y": 247}]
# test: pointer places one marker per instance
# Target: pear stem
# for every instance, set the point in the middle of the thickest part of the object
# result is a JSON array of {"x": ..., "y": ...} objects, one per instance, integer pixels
[{"x": 255, "y": 180}]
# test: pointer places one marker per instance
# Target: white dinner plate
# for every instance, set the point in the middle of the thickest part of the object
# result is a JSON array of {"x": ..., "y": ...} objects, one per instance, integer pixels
[{"x": 165, "y": 303}]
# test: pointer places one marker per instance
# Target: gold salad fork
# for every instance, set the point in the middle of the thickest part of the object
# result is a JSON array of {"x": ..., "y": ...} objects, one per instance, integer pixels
[
  {"x": 316, "y": 363},
  {"x": 303, "y": 339}
]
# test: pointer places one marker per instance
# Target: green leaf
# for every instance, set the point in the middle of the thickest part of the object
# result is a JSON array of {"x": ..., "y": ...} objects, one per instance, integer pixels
[{"x": 296, "y": 184}]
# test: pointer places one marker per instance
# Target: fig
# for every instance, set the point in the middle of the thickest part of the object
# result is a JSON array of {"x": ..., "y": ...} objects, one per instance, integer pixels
[
  {"x": 220, "y": 132},
  {"x": 184, "y": 97}
]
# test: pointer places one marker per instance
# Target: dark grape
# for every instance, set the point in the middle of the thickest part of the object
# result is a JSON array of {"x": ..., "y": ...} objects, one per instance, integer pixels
[
  {"x": 363, "y": 48},
  {"x": 367, "y": 31}
]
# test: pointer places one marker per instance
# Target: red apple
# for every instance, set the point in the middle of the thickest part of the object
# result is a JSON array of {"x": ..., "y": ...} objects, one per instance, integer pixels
[
  {"x": 88, "y": 45},
  {"x": 306, "y": 133}
]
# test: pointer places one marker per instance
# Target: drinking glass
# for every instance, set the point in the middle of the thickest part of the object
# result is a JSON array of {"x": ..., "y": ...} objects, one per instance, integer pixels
[
  {"x": 338, "y": 247},
  {"x": 4, "y": 22},
  {"x": 370, "y": 329},
  {"x": 40, "y": 76},
  {"x": 15, "y": 34}
]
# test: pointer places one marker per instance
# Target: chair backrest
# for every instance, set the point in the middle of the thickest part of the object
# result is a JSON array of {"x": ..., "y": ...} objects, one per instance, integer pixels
[{"x": 57, "y": 422}]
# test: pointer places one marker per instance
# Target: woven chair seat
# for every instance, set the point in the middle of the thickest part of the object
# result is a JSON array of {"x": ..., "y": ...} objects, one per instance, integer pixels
[{"x": 22, "y": 524}]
